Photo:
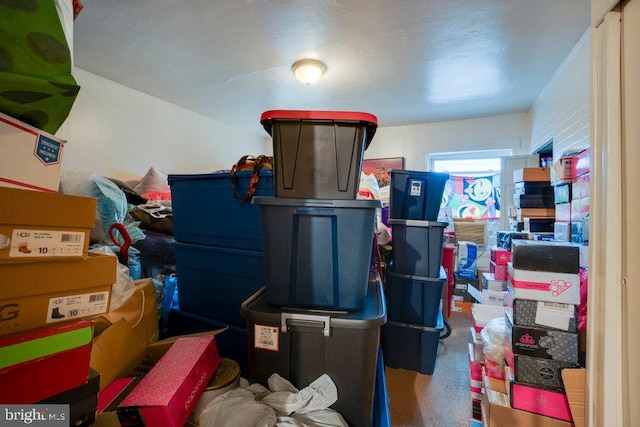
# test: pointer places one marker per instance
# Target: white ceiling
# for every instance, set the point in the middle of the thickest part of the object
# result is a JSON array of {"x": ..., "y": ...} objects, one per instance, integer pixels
[{"x": 406, "y": 61}]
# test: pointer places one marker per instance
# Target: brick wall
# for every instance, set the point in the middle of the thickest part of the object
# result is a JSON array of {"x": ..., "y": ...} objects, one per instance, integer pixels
[{"x": 562, "y": 110}]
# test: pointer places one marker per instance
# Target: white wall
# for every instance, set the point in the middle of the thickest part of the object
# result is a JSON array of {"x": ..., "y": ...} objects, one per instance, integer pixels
[
  {"x": 414, "y": 141},
  {"x": 120, "y": 132},
  {"x": 562, "y": 110}
]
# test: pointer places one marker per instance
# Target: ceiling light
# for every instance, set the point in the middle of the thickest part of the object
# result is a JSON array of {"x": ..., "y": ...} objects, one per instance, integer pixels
[{"x": 309, "y": 71}]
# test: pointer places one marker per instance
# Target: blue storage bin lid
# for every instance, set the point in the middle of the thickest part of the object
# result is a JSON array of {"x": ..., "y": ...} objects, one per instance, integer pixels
[
  {"x": 373, "y": 315},
  {"x": 213, "y": 176}
]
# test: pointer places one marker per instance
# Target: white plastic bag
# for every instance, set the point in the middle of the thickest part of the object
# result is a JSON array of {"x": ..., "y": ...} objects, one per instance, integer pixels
[
  {"x": 124, "y": 287},
  {"x": 492, "y": 336}
]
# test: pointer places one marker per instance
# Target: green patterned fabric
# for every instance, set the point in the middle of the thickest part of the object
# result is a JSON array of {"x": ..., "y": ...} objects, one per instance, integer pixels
[{"x": 36, "y": 85}]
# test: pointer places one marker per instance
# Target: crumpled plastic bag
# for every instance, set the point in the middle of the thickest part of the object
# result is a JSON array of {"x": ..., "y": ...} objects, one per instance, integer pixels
[
  {"x": 492, "y": 336},
  {"x": 280, "y": 405},
  {"x": 124, "y": 287}
]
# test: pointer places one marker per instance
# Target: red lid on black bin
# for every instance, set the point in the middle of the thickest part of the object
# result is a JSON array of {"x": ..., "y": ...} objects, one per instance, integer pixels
[{"x": 368, "y": 120}]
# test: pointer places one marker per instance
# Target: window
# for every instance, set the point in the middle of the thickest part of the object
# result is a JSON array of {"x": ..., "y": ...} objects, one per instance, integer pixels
[{"x": 473, "y": 191}]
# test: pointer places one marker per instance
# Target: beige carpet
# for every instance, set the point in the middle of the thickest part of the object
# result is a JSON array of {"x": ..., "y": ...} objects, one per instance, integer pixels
[{"x": 439, "y": 400}]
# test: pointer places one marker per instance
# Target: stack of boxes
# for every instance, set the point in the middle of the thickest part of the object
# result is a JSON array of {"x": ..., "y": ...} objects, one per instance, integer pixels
[
  {"x": 49, "y": 286},
  {"x": 321, "y": 309},
  {"x": 416, "y": 281},
  {"x": 541, "y": 325},
  {"x": 218, "y": 251},
  {"x": 534, "y": 203}
]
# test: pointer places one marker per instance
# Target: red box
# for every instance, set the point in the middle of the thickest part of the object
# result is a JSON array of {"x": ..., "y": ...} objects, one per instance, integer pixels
[
  {"x": 499, "y": 271},
  {"x": 43, "y": 362},
  {"x": 169, "y": 392},
  {"x": 582, "y": 186},
  {"x": 541, "y": 401},
  {"x": 447, "y": 260},
  {"x": 500, "y": 256},
  {"x": 581, "y": 164}
]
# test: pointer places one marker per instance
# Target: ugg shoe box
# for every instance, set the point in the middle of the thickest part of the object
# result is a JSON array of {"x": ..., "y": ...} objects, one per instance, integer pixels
[
  {"x": 544, "y": 343},
  {"x": 31, "y": 159},
  {"x": 38, "y": 294},
  {"x": 490, "y": 282},
  {"x": 545, "y": 286},
  {"x": 37, "y": 226}
]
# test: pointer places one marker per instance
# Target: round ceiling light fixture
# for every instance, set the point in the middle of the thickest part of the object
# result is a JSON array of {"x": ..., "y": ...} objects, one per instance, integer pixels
[{"x": 308, "y": 71}]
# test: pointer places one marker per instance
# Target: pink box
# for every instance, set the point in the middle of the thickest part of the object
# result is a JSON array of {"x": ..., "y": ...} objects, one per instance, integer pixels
[
  {"x": 499, "y": 271},
  {"x": 582, "y": 164},
  {"x": 540, "y": 401},
  {"x": 169, "y": 392},
  {"x": 500, "y": 256},
  {"x": 581, "y": 188},
  {"x": 563, "y": 212},
  {"x": 545, "y": 285},
  {"x": 579, "y": 209}
]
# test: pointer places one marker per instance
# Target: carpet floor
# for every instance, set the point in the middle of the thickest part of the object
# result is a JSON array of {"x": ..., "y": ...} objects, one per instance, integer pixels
[{"x": 439, "y": 400}]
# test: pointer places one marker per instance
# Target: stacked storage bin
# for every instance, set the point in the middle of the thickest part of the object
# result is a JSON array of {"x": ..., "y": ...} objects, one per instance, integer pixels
[
  {"x": 321, "y": 309},
  {"x": 415, "y": 285},
  {"x": 218, "y": 254}
]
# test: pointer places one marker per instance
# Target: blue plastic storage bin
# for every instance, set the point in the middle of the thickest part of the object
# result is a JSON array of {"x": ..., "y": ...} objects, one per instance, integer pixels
[
  {"x": 317, "y": 252},
  {"x": 411, "y": 347},
  {"x": 301, "y": 345},
  {"x": 416, "y": 195},
  {"x": 417, "y": 247},
  {"x": 205, "y": 212},
  {"x": 231, "y": 343},
  {"x": 414, "y": 299},
  {"x": 214, "y": 282}
]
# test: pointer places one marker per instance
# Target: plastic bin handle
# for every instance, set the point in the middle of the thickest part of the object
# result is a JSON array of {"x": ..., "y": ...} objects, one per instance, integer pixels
[{"x": 324, "y": 320}]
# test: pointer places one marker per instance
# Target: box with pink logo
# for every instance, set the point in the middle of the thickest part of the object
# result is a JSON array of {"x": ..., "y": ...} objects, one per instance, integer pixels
[
  {"x": 541, "y": 342},
  {"x": 545, "y": 285},
  {"x": 541, "y": 401},
  {"x": 169, "y": 392}
]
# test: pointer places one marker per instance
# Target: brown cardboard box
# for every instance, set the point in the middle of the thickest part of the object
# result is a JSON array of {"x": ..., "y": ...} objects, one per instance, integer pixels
[
  {"x": 31, "y": 159},
  {"x": 532, "y": 175},
  {"x": 497, "y": 412},
  {"x": 575, "y": 385},
  {"x": 38, "y": 227},
  {"x": 119, "y": 349},
  {"x": 34, "y": 295}
]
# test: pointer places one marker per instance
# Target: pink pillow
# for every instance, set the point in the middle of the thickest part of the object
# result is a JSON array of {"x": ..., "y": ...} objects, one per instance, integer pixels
[
  {"x": 153, "y": 182},
  {"x": 158, "y": 195}
]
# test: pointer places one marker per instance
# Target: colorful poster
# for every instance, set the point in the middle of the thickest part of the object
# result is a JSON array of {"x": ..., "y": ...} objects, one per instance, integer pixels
[{"x": 473, "y": 197}]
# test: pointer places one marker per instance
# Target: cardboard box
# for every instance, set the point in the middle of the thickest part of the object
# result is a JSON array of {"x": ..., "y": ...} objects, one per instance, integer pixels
[
  {"x": 488, "y": 296},
  {"x": 558, "y": 257},
  {"x": 500, "y": 272},
  {"x": 542, "y": 313},
  {"x": 575, "y": 384},
  {"x": 169, "y": 392},
  {"x": 500, "y": 256},
  {"x": 482, "y": 314},
  {"x": 34, "y": 295},
  {"x": 490, "y": 282},
  {"x": 460, "y": 306},
  {"x": 532, "y": 175},
  {"x": 82, "y": 401},
  {"x": 579, "y": 209},
  {"x": 550, "y": 403},
  {"x": 37, "y": 226},
  {"x": 540, "y": 372},
  {"x": 119, "y": 349},
  {"x": 562, "y": 193},
  {"x": 582, "y": 164},
  {"x": 497, "y": 412},
  {"x": 582, "y": 186},
  {"x": 467, "y": 257},
  {"x": 545, "y": 286},
  {"x": 543, "y": 188},
  {"x": 43, "y": 362},
  {"x": 561, "y": 170},
  {"x": 31, "y": 159},
  {"x": 538, "y": 225},
  {"x": 522, "y": 213},
  {"x": 562, "y": 231},
  {"x": 544, "y": 343}
]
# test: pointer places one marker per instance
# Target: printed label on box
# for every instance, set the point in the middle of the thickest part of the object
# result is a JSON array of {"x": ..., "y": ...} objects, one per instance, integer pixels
[
  {"x": 266, "y": 337},
  {"x": 416, "y": 188},
  {"x": 45, "y": 243},
  {"x": 554, "y": 314},
  {"x": 74, "y": 306},
  {"x": 48, "y": 150}
]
